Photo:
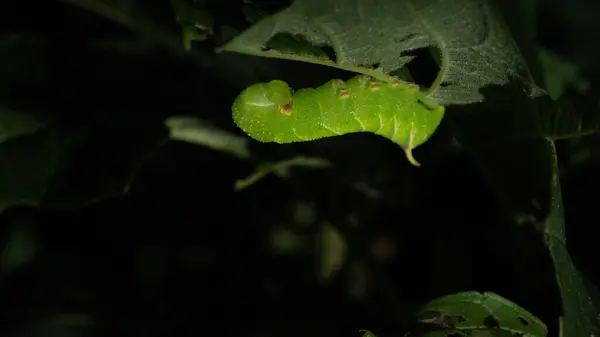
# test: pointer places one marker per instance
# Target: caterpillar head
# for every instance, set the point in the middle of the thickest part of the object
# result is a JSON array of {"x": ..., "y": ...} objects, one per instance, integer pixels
[{"x": 263, "y": 111}]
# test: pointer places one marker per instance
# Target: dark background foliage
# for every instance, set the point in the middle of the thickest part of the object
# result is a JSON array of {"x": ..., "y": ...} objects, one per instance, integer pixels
[{"x": 183, "y": 254}]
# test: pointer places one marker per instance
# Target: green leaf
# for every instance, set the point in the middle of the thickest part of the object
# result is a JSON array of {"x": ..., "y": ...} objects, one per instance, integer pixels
[
  {"x": 295, "y": 44},
  {"x": 505, "y": 141},
  {"x": 196, "y": 131},
  {"x": 573, "y": 115},
  {"x": 559, "y": 74},
  {"x": 19, "y": 246},
  {"x": 580, "y": 310},
  {"x": 472, "y": 310},
  {"x": 470, "y": 333},
  {"x": 333, "y": 251},
  {"x": 63, "y": 168},
  {"x": 94, "y": 166},
  {"x": 530, "y": 191},
  {"x": 475, "y": 48},
  {"x": 14, "y": 124},
  {"x": 27, "y": 165},
  {"x": 196, "y": 22}
]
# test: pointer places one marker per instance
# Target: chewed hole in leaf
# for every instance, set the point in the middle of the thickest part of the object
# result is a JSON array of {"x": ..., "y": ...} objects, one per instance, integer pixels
[
  {"x": 287, "y": 43},
  {"x": 429, "y": 316},
  {"x": 523, "y": 321},
  {"x": 424, "y": 67},
  {"x": 491, "y": 322},
  {"x": 450, "y": 321},
  {"x": 436, "y": 318}
]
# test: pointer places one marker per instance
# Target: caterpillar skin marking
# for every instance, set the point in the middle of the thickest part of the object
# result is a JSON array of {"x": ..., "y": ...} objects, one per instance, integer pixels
[{"x": 272, "y": 112}]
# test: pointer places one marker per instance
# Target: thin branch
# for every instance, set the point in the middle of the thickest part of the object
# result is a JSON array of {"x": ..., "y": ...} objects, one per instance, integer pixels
[{"x": 376, "y": 73}]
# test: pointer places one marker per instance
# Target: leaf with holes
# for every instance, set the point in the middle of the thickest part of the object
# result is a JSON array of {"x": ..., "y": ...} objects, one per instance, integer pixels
[
  {"x": 470, "y": 311},
  {"x": 474, "y": 48}
]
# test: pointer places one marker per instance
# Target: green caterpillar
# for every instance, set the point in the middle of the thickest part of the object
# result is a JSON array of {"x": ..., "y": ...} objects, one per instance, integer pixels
[{"x": 396, "y": 110}]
